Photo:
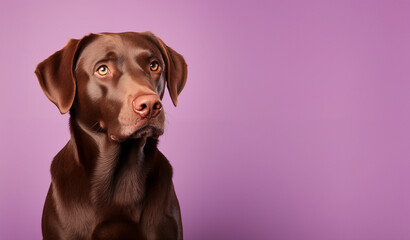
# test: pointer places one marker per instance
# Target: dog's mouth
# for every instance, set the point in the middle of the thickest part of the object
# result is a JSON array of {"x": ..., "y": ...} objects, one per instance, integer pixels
[
  {"x": 138, "y": 130},
  {"x": 147, "y": 131}
]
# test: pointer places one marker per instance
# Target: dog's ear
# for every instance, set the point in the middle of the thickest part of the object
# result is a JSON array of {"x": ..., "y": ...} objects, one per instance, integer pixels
[
  {"x": 175, "y": 67},
  {"x": 56, "y": 76}
]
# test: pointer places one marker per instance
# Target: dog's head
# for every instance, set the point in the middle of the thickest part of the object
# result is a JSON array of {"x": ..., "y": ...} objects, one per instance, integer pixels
[{"x": 114, "y": 82}]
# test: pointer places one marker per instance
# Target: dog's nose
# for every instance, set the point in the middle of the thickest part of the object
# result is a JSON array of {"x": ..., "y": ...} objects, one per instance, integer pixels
[{"x": 147, "y": 105}]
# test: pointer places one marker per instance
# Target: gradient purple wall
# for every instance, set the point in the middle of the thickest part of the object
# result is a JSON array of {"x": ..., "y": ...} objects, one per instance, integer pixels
[{"x": 294, "y": 123}]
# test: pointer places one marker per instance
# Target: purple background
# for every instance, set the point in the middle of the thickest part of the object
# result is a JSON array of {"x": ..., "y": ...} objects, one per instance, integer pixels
[{"x": 294, "y": 123}]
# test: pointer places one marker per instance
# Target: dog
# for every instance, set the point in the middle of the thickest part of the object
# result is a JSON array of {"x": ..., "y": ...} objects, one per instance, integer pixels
[{"x": 110, "y": 181}]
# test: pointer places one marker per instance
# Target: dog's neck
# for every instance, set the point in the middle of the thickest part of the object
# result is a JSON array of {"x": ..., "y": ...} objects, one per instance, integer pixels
[{"x": 103, "y": 160}]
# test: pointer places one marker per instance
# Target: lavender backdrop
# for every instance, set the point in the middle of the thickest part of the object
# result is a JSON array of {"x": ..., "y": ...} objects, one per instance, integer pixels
[{"x": 294, "y": 123}]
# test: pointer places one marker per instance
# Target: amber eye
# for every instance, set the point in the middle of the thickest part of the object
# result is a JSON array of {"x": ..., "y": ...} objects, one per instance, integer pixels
[
  {"x": 154, "y": 66},
  {"x": 103, "y": 70}
]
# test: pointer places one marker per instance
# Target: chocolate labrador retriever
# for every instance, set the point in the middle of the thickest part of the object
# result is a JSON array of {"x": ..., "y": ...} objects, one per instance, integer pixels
[{"x": 110, "y": 181}]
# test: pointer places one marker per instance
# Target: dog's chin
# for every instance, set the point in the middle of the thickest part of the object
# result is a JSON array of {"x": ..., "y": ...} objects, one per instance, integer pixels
[{"x": 146, "y": 132}]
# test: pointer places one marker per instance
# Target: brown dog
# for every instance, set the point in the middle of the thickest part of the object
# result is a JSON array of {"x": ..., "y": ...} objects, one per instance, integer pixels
[{"x": 110, "y": 181}]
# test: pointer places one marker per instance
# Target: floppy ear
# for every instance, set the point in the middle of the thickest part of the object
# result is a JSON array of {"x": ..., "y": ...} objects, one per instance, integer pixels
[
  {"x": 56, "y": 76},
  {"x": 175, "y": 67}
]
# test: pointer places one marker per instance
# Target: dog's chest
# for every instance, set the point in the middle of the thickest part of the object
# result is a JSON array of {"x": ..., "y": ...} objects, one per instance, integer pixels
[
  {"x": 129, "y": 183},
  {"x": 119, "y": 179}
]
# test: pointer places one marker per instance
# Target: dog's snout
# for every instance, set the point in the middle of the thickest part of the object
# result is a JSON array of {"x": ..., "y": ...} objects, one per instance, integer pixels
[{"x": 147, "y": 105}]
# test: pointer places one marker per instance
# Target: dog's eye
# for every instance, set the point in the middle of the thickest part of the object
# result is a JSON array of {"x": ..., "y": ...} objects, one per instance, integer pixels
[
  {"x": 103, "y": 70},
  {"x": 154, "y": 66}
]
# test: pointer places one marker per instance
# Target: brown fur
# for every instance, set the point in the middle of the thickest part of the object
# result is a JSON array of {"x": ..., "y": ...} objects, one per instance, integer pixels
[{"x": 110, "y": 181}]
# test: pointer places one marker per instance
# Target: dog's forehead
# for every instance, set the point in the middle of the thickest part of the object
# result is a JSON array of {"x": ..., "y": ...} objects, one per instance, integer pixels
[{"x": 118, "y": 44}]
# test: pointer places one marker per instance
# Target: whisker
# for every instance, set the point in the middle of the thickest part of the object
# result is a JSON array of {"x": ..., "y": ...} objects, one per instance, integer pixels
[{"x": 96, "y": 126}]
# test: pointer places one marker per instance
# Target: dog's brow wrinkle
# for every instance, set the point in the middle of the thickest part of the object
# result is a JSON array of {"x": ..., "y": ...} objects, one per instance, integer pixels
[
  {"x": 111, "y": 55},
  {"x": 140, "y": 51}
]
